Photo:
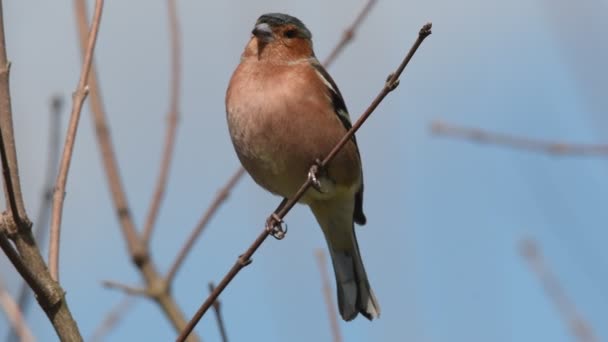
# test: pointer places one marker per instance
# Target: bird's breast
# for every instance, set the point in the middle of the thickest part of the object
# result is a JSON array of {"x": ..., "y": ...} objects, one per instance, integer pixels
[{"x": 278, "y": 129}]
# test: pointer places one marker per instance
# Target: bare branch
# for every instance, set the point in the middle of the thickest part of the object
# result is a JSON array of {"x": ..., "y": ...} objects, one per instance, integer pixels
[
  {"x": 172, "y": 120},
  {"x": 16, "y": 226},
  {"x": 550, "y": 147},
  {"x": 79, "y": 97},
  {"x": 221, "y": 196},
  {"x": 327, "y": 293},
  {"x": 218, "y": 315},
  {"x": 134, "y": 291},
  {"x": 14, "y": 315},
  {"x": 349, "y": 33},
  {"x": 579, "y": 327},
  {"x": 275, "y": 218},
  {"x": 112, "y": 318},
  {"x": 42, "y": 218},
  {"x": 138, "y": 250}
]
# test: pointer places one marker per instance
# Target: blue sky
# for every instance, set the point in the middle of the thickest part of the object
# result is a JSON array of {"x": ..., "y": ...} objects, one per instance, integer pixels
[{"x": 445, "y": 217}]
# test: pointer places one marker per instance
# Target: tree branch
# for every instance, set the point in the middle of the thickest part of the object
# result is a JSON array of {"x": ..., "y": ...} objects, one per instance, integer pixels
[
  {"x": 274, "y": 219},
  {"x": 15, "y": 316},
  {"x": 80, "y": 94},
  {"x": 112, "y": 318},
  {"x": 16, "y": 226},
  {"x": 42, "y": 218},
  {"x": 579, "y": 327},
  {"x": 349, "y": 33},
  {"x": 218, "y": 315},
  {"x": 332, "y": 314},
  {"x": 220, "y": 198},
  {"x": 136, "y": 247},
  {"x": 172, "y": 119},
  {"x": 522, "y": 143}
]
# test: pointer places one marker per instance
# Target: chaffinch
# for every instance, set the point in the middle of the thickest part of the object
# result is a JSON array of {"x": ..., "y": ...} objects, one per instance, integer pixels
[{"x": 285, "y": 112}]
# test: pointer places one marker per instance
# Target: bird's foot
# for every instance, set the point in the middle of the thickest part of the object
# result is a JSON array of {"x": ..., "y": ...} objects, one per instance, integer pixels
[
  {"x": 313, "y": 175},
  {"x": 276, "y": 227}
]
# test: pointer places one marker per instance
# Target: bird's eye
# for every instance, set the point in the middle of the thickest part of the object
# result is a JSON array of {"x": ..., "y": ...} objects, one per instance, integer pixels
[{"x": 290, "y": 33}]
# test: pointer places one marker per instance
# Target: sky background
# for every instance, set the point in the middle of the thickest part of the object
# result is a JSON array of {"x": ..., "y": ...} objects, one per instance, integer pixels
[{"x": 445, "y": 217}]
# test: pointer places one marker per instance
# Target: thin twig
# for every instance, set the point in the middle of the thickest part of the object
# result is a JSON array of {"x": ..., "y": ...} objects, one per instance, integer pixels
[
  {"x": 579, "y": 327},
  {"x": 327, "y": 294},
  {"x": 131, "y": 290},
  {"x": 218, "y": 315},
  {"x": 550, "y": 147},
  {"x": 233, "y": 180},
  {"x": 138, "y": 250},
  {"x": 42, "y": 218},
  {"x": 172, "y": 120},
  {"x": 287, "y": 204},
  {"x": 15, "y": 225},
  {"x": 15, "y": 316},
  {"x": 349, "y": 33},
  {"x": 79, "y": 97},
  {"x": 221, "y": 196},
  {"x": 112, "y": 318}
]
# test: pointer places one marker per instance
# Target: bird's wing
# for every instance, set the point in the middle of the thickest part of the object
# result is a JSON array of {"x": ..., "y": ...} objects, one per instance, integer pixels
[{"x": 337, "y": 102}]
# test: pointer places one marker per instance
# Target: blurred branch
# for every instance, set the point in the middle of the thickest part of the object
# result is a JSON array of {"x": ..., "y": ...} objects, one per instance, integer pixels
[
  {"x": 172, "y": 119},
  {"x": 14, "y": 315},
  {"x": 42, "y": 218},
  {"x": 158, "y": 289},
  {"x": 218, "y": 315},
  {"x": 78, "y": 98},
  {"x": 15, "y": 225},
  {"x": 579, "y": 327},
  {"x": 131, "y": 290},
  {"x": 221, "y": 196},
  {"x": 485, "y": 137},
  {"x": 274, "y": 222},
  {"x": 112, "y": 318},
  {"x": 349, "y": 33},
  {"x": 327, "y": 294}
]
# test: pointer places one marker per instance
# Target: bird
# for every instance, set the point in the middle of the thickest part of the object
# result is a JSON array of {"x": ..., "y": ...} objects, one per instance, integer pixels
[{"x": 284, "y": 114}]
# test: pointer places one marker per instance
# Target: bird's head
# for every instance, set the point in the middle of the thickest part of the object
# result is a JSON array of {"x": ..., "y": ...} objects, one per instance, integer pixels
[{"x": 280, "y": 38}]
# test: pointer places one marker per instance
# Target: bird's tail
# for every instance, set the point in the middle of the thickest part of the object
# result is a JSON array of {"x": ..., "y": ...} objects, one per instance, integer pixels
[{"x": 354, "y": 292}]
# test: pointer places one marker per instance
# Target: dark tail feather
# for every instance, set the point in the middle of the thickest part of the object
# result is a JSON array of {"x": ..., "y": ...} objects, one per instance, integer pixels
[{"x": 354, "y": 292}]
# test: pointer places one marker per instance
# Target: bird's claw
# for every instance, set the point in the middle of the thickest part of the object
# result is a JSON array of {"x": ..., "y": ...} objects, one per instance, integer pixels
[
  {"x": 312, "y": 175},
  {"x": 276, "y": 227}
]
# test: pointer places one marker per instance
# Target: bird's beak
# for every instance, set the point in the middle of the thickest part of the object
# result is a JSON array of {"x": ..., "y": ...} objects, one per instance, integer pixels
[{"x": 263, "y": 32}]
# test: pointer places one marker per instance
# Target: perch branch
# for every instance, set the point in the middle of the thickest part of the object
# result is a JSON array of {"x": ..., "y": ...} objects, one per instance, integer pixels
[{"x": 287, "y": 204}]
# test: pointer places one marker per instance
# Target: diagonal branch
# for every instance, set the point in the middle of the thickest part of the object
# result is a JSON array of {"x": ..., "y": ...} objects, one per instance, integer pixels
[
  {"x": 217, "y": 307},
  {"x": 580, "y": 328},
  {"x": 112, "y": 318},
  {"x": 349, "y": 33},
  {"x": 42, "y": 218},
  {"x": 172, "y": 119},
  {"x": 274, "y": 220},
  {"x": 522, "y": 143},
  {"x": 221, "y": 196},
  {"x": 14, "y": 315},
  {"x": 15, "y": 225},
  {"x": 136, "y": 247},
  {"x": 78, "y": 99}
]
